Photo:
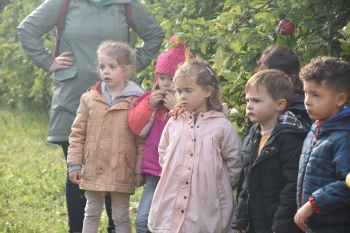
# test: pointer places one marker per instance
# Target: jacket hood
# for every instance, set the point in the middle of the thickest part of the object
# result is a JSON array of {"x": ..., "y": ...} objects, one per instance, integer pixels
[
  {"x": 286, "y": 121},
  {"x": 210, "y": 114},
  {"x": 131, "y": 89},
  {"x": 339, "y": 122},
  {"x": 343, "y": 113}
]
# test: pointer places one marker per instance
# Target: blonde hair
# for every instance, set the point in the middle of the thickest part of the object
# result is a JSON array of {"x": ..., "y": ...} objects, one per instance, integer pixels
[
  {"x": 121, "y": 51},
  {"x": 277, "y": 83},
  {"x": 204, "y": 76}
]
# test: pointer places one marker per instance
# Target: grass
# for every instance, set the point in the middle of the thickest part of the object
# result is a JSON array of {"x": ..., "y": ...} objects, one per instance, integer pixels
[{"x": 32, "y": 177}]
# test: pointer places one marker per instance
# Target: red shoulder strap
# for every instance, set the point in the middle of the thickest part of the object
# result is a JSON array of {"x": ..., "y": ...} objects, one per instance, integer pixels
[
  {"x": 128, "y": 18},
  {"x": 60, "y": 22}
]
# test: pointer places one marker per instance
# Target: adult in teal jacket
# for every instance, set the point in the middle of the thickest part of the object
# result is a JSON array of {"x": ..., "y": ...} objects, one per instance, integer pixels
[{"x": 87, "y": 24}]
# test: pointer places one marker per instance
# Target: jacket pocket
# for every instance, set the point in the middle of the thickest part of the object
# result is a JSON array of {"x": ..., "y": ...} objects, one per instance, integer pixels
[
  {"x": 88, "y": 170},
  {"x": 64, "y": 74},
  {"x": 130, "y": 161},
  {"x": 221, "y": 195}
]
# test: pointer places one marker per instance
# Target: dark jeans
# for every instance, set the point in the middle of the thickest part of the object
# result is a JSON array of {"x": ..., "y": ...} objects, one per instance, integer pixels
[
  {"x": 334, "y": 229},
  {"x": 76, "y": 201}
]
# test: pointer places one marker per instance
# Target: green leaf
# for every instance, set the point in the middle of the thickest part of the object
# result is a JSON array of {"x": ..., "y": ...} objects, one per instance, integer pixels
[
  {"x": 311, "y": 23},
  {"x": 314, "y": 41}
]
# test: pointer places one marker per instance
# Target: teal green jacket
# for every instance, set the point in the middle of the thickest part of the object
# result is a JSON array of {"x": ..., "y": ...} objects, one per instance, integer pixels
[{"x": 85, "y": 28}]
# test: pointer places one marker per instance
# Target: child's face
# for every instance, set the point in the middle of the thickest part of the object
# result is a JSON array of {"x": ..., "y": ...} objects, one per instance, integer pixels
[
  {"x": 320, "y": 102},
  {"x": 111, "y": 72},
  {"x": 165, "y": 82},
  {"x": 192, "y": 97},
  {"x": 261, "y": 108}
]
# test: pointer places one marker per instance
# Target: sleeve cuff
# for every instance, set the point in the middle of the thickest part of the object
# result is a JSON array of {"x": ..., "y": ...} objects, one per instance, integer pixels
[
  {"x": 73, "y": 167},
  {"x": 314, "y": 206}
]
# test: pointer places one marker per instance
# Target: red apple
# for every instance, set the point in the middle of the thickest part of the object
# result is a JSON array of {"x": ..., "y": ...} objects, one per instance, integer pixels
[{"x": 286, "y": 27}]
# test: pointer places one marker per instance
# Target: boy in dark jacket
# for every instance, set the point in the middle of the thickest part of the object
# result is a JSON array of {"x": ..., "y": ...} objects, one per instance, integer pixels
[
  {"x": 323, "y": 196},
  {"x": 271, "y": 153}
]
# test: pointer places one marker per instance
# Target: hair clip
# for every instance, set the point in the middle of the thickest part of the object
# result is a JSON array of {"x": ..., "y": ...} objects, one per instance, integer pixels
[{"x": 211, "y": 72}]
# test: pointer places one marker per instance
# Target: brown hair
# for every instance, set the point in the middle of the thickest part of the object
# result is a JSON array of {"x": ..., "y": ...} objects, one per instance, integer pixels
[
  {"x": 334, "y": 71},
  {"x": 204, "y": 76},
  {"x": 277, "y": 83},
  {"x": 122, "y": 52},
  {"x": 284, "y": 59}
]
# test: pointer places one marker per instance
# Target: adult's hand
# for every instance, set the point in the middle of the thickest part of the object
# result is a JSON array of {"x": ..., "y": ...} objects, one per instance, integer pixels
[
  {"x": 156, "y": 96},
  {"x": 63, "y": 61}
]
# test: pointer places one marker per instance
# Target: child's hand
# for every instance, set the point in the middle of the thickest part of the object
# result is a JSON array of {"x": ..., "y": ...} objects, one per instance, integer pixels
[
  {"x": 139, "y": 180},
  {"x": 303, "y": 213},
  {"x": 169, "y": 100},
  {"x": 75, "y": 176},
  {"x": 156, "y": 96},
  {"x": 240, "y": 231}
]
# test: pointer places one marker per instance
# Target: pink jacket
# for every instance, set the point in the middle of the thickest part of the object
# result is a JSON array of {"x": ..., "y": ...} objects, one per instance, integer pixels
[
  {"x": 149, "y": 123},
  {"x": 201, "y": 167}
]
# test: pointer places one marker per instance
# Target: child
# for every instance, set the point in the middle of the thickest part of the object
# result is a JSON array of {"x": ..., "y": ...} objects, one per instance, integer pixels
[
  {"x": 200, "y": 155},
  {"x": 270, "y": 154},
  {"x": 284, "y": 59},
  {"x": 323, "y": 196},
  {"x": 148, "y": 120},
  {"x": 104, "y": 156}
]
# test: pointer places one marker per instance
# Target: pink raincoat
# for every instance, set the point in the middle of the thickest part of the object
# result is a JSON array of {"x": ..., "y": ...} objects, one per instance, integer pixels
[{"x": 201, "y": 167}]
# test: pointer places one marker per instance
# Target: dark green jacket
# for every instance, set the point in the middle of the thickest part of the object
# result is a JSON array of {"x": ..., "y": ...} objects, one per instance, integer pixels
[{"x": 85, "y": 28}]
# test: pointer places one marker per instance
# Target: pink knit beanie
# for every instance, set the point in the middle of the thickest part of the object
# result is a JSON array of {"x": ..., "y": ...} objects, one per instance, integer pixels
[{"x": 168, "y": 61}]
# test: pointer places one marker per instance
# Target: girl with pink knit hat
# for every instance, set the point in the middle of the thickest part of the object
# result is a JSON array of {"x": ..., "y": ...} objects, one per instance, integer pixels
[{"x": 148, "y": 119}]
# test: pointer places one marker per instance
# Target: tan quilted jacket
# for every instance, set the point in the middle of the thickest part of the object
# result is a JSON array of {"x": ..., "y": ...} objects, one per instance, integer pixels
[{"x": 103, "y": 144}]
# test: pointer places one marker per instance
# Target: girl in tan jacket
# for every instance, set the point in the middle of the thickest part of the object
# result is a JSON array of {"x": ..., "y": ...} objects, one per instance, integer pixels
[{"x": 104, "y": 156}]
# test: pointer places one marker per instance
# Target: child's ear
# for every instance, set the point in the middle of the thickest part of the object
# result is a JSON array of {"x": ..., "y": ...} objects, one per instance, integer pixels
[
  {"x": 341, "y": 100},
  {"x": 209, "y": 91},
  {"x": 281, "y": 105},
  {"x": 127, "y": 71}
]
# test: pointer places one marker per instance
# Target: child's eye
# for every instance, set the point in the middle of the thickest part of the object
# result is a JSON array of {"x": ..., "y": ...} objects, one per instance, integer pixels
[
  {"x": 113, "y": 67},
  {"x": 161, "y": 78},
  {"x": 315, "y": 95},
  {"x": 179, "y": 92},
  {"x": 102, "y": 67},
  {"x": 188, "y": 90}
]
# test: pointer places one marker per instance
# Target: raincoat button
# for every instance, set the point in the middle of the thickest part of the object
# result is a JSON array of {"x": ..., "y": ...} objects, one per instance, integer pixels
[
  {"x": 272, "y": 148},
  {"x": 186, "y": 182},
  {"x": 190, "y": 117},
  {"x": 191, "y": 127},
  {"x": 197, "y": 126},
  {"x": 191, "y": 154},
  {"x": 189, "y": 168},
  {"x": 266, "y": 152},
  {"x": 185, "y": 197},
  {"x": 182, "y": 211},
  {"x": 202, "y": 115}
]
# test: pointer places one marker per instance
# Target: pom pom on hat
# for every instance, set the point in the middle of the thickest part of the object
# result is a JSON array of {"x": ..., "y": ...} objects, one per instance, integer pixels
[{"x": 168, "y": 61}]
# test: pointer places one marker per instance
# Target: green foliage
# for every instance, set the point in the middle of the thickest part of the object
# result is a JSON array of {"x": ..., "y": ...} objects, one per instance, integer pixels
[
  {"x": 230, "y": 34},
  {"x": 22, "y": 84},
  {"x": 32, "y": 177}
]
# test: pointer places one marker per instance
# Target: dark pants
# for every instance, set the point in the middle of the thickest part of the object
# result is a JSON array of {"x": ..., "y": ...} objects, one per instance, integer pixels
[{"x": 76, "y": 202}]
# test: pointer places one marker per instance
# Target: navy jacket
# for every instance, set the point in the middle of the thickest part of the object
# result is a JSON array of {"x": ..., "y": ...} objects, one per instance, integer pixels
[{"x": 324, "y": 165}]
